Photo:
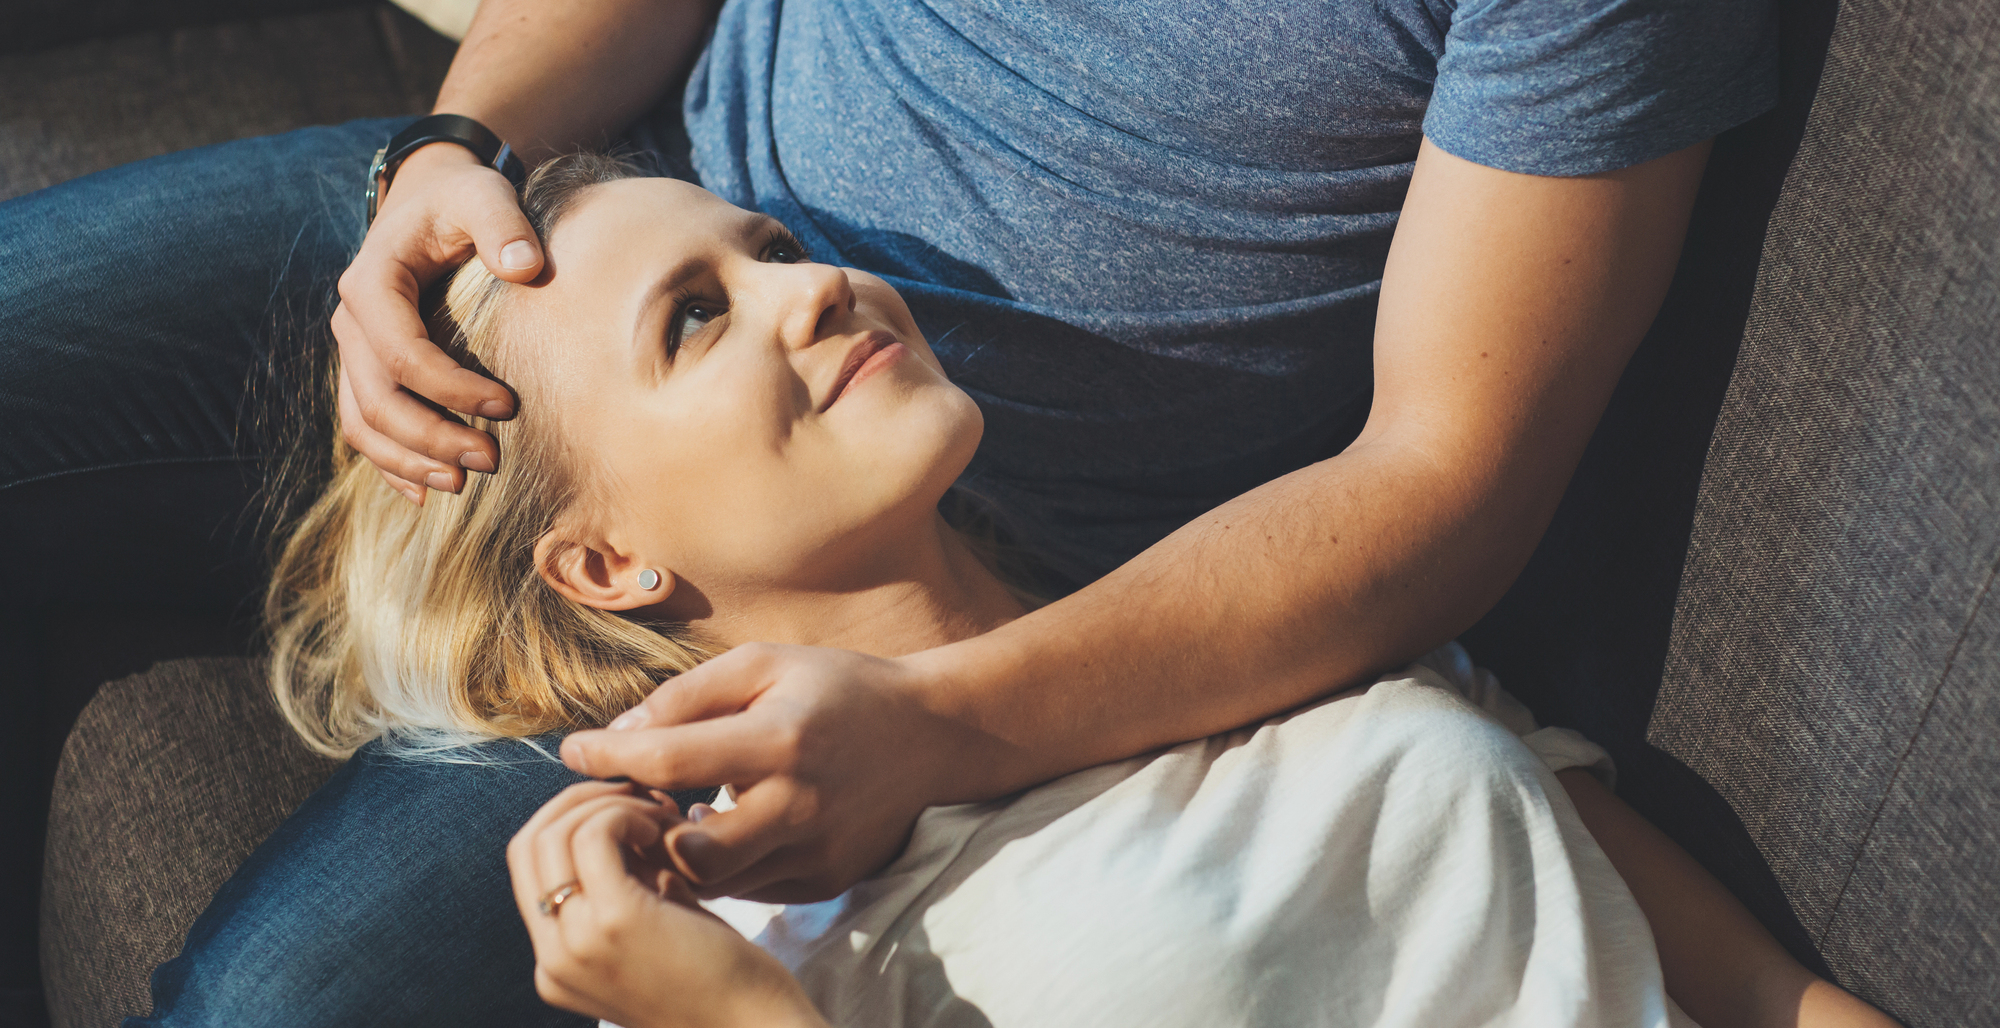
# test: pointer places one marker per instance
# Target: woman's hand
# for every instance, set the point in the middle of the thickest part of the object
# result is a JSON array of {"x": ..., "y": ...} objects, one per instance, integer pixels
[
  {"x": 629, "y": 944},
  {"x": 832, "y": 755},
  {"x": 441, "y": 204}
]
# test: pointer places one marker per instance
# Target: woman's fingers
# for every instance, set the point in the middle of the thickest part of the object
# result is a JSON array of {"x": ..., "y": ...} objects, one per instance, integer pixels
[
  {"x": 569, "y": 799},
  {"x": 598, "y": 845},
  {"x": 553, "y": 860},
  {"x": 530, "y": 879},
  {"x": 545, "y": 868},
  {"x": 596, "y": 823},
  {"x": 716, "y": 854},
  {"x": 633, "y": 948}
]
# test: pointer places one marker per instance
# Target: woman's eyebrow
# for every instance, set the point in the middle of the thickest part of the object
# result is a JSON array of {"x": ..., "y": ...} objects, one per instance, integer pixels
[{"x": 760, "y": 224}]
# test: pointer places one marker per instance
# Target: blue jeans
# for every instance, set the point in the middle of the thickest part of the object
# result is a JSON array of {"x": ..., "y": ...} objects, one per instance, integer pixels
[
  {"x": 383, "y": 900},
  {"x": 141, "y": 302},
  {"x": 141, "y": 310}
]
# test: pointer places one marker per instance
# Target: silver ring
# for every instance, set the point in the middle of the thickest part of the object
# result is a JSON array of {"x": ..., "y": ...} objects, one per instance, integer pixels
[{"x": 553, "y": 899}]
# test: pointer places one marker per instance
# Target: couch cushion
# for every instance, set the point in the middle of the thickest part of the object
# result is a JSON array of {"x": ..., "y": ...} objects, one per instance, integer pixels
[
  {"x": 168, "y": 781},
  {"x": 92, "y": 105},
  {"x": 1835, "y": 668}
]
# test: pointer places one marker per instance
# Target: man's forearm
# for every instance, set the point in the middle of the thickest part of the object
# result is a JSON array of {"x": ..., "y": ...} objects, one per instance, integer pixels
[
  {"x": 1509, "y": 307},
  {"x": 549, "y": 77},
  {"x": 1309, "y": 584}
]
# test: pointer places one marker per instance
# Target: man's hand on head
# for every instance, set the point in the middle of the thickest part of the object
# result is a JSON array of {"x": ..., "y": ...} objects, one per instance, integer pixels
[{"x": 442, "y": 205}]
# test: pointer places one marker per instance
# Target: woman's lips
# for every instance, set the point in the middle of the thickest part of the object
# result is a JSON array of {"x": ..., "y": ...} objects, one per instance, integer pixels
[{"x": 876, "y": 351}]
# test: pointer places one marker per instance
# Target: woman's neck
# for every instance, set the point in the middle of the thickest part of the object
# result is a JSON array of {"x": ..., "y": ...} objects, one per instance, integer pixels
[{"x": 927, "y": 590}]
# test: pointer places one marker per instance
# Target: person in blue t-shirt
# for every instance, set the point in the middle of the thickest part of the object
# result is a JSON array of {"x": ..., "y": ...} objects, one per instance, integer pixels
[{"x": 1289, "y": 323}]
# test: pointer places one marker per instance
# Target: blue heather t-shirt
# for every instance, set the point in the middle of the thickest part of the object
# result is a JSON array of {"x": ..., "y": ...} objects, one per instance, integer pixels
[{"x": 1147, "y": 236}]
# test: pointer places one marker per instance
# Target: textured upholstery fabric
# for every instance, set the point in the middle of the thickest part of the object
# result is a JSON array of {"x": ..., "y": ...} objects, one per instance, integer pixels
[
  {"x": 81, "y": 108},
  {"x": 168, "y": 781},
  {"x": 27, "y": 25},
  {"x": 1835, "y": 670},
  {"x": 1916, "y": 924}
]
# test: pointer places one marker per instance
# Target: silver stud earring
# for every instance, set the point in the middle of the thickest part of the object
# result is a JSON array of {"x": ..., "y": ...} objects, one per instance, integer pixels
[{"x": 649, "y": 580}]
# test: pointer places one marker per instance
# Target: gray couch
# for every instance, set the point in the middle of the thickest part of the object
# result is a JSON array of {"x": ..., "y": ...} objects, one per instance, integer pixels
[{"x": 1767, "y": 591}]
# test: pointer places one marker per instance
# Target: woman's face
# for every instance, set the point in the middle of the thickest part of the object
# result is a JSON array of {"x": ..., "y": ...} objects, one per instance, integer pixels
[{"x": 745, "y": 419}]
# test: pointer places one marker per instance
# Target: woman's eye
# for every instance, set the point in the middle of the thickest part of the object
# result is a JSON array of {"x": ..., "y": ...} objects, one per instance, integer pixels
[
  {"x": 690, "y": 319},
  {"x": 786, "y": 250}
]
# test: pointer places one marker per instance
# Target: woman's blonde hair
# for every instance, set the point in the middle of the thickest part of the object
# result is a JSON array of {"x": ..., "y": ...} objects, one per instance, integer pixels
[{"x": 432, "y": 625}]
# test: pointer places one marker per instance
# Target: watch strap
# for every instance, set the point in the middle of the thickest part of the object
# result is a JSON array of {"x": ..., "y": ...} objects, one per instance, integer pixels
[{"x": 441, "y": 128}]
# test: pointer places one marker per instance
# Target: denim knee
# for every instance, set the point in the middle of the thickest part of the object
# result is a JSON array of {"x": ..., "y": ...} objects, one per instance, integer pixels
[
  {"x": 384, "y": 900},
  {"x": 140, "y": 299}
]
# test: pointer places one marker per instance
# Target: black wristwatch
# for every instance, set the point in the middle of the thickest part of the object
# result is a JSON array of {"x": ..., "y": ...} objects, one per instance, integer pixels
[{"x": 441, "y": 128}]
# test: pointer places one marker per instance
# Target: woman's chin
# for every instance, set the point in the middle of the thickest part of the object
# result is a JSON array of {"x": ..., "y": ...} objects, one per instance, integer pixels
[
  {"x": 906, "y": 402},
  {"x": 925, "y": 451}
]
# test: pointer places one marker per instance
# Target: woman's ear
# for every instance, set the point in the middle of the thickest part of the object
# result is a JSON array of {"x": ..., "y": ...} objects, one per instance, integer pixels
[{"x": 598, "y": 575}]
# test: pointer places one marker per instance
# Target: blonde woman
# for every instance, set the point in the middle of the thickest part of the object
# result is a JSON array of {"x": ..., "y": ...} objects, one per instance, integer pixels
[{"x": 725, "y": 447}]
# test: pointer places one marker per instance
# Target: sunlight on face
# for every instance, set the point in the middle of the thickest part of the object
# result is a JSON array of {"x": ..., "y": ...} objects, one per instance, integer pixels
[{"x": 759, "y": 421}]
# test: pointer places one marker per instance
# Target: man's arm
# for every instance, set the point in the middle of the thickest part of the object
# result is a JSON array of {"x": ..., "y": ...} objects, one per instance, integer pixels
[
  {"x": 1510, "y": 305},
  {"x": 550, "y": 78},
  {"x": 546, "y": 77}
]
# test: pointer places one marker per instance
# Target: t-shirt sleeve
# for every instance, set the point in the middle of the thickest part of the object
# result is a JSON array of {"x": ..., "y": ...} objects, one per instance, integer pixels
[{"x": 1573, "y": 87}]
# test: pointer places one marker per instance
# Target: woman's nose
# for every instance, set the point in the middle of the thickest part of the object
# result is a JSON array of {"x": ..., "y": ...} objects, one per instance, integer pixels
[{"x": 816, "y": 299}]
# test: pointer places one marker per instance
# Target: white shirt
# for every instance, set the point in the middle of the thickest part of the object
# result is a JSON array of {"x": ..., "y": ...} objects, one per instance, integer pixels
[{"x": 1397, "y": 857}]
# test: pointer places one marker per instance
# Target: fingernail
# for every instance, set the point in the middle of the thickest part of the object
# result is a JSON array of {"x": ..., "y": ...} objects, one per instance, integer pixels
[
  {"x": 412, "y": 495},
  {"x": 438, "y": 480},
  {"x": 699, "y": 811},
  {"x": 495, "y": 409},
  {"x": 634, "y": 718},
  {"x": 517, "y": 255},
  {"x": 475, "y": 460}
]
